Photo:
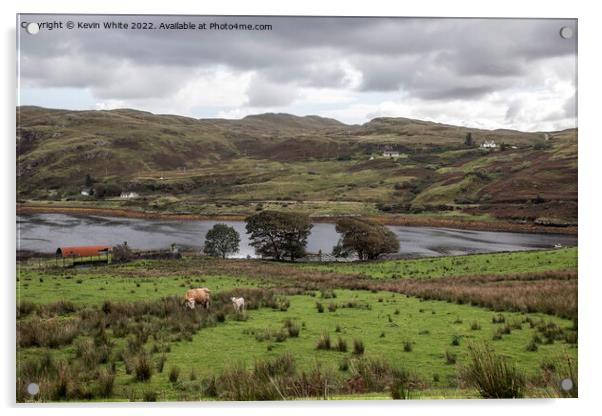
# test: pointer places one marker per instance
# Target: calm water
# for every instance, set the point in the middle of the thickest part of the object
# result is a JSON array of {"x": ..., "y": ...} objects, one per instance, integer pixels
[{"x": 46, "y": 232}]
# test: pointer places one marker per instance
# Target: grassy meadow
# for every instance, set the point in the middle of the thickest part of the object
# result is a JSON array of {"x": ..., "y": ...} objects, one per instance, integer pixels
[{"x": 375, "y": 330}]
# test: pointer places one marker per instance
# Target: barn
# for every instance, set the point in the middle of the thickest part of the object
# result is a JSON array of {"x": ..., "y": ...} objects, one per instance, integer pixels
[{"x": 84, "y": 254}]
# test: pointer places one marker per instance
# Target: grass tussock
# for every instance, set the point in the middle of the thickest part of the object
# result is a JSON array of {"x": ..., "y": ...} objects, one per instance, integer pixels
[
  {"x": 358, "y": 347},
  {"x": 51, "y": 333},
  {"x": 559, "y": 373},
  {"x": 275, "y": 379},
  {"x": 492, "y": 375},
  {"x": 323, "y": 342}
]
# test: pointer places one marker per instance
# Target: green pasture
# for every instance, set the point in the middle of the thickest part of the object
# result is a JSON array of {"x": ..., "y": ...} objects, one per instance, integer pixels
[
  {"x": 383, "y": 321},
  {"x": 477, "y": 264}
]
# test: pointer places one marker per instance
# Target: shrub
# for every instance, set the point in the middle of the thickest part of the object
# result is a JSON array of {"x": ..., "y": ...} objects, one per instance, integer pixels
[
  {"x": 531, "y": 346},
  {"x": 332, "y": 307},
  {"x": 150, "y": 396},
  {"x": 51, "y": 333},
  {"x": 161, "y": 363},
  {"x": 450, "y": 357},
  {"x": 374, "y": 372},
  {"x": 292, "y": 328},
  {"x": 25, "y": 308},
  {"x": 554, "y": 372},
  {"x": 341, "y": 345},
  {"x": 142, "y": 367},
  {"x": 327, "y": 294},
  {"x": 492, "y": 375},
  {"x": 280, "y": 336},
  {"x": 60, "y": 307},
  {"x": 475, "y": 326},
  {"x": 344, "y": 364},
  {"x": 358, "y": 347},
  {"x": 174, "y": 373},
  {"x": 407, "y": 346},
  {"x": 121, "y": 253},
  {"x": 319, "y": 307},
  {"x": 400, "y": 385},
  {"x": 455, "y": 340},
  {"x": 106, "y": 382},
  {"x": 323, "y": 342},
  {"x": 283, "y": 365},
  {"x": 571, "y": 337}
]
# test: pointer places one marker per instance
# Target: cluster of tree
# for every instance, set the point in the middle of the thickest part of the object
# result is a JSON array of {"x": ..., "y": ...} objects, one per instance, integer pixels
[
  {"x": 283, "y": 236},
  {"x": 101, "y": 190}
]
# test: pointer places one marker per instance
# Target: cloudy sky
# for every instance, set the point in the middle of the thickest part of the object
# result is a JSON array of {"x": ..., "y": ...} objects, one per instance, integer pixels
[{"x": 490, "y": 73}]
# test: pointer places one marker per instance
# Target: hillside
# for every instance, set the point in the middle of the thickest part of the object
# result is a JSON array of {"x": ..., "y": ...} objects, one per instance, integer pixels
[{"x": 311, "y": 163}]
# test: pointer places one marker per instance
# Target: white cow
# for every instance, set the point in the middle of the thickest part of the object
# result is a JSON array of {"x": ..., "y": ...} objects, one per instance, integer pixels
[{"x": 238, "y": 303}]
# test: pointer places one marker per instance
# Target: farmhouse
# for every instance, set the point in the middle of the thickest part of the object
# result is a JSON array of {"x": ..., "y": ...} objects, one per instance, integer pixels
[
  {"x": 129, "y": 195},
  {"x": 488, "y": 144},
  {"x": 392, "y": 154}
]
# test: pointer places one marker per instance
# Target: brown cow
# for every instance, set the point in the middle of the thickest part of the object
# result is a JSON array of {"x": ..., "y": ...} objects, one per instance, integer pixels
[{"x": 199, "y": 295}]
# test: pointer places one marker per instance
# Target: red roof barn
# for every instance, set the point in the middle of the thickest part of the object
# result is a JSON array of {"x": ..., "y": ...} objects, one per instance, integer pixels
[{"x": 83, "y": 251}]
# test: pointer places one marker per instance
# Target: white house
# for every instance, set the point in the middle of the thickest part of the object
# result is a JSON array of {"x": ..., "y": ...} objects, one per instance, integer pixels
[
  {"x": 391, "y": 154},
  {"x": 128, "y": 195},
  {"x": 85, "y": 192},
  {"x": 488, "y": 144}
]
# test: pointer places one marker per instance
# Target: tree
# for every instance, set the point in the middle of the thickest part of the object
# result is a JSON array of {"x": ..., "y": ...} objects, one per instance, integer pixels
[
  {"x": 468, "y": 141},
  {"x": 367, "y": 239},
  {"x": 121, "y": 253},
  {"x": 221, "y": 240},
  {"x": 106, "y": 190},
  {"x": 279, "y": 235}
]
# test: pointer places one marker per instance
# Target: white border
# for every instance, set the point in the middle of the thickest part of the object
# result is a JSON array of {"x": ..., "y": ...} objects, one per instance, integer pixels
[{"x": 590, "y": 154}]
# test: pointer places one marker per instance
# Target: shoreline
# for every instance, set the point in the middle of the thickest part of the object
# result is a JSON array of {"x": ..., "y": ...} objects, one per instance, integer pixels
[{"x": 401, "y": 220}]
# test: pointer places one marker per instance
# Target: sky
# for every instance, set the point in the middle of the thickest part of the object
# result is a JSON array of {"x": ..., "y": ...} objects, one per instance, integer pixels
[{"x": 485, "y": 73}]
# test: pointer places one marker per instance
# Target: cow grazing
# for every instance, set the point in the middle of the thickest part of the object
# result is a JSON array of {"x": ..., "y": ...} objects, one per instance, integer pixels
[
  {"x": 199, "y": 295},
  {"x": 238, "y": 303}
]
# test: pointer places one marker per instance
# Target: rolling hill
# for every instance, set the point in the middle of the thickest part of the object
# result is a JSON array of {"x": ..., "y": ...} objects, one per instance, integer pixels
[{"x": 182, "y": 164}]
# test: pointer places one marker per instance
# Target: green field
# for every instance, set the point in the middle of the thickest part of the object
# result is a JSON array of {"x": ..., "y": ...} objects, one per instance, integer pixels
[
  {"x": 478, "y": 264},
  {"x": 406, "y": 332}
]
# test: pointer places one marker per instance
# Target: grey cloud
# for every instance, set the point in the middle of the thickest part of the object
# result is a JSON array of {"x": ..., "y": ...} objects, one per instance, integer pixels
[
  {"x": 570, "y": 107},
  {"x": 263, "y": 93},
  {"x": 427, "y": 58},
  {"x": 471, "y": 46}
]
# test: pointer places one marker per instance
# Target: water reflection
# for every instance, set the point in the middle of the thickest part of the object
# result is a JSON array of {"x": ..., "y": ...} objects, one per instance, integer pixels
[{"x": 46, "y": 232}]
